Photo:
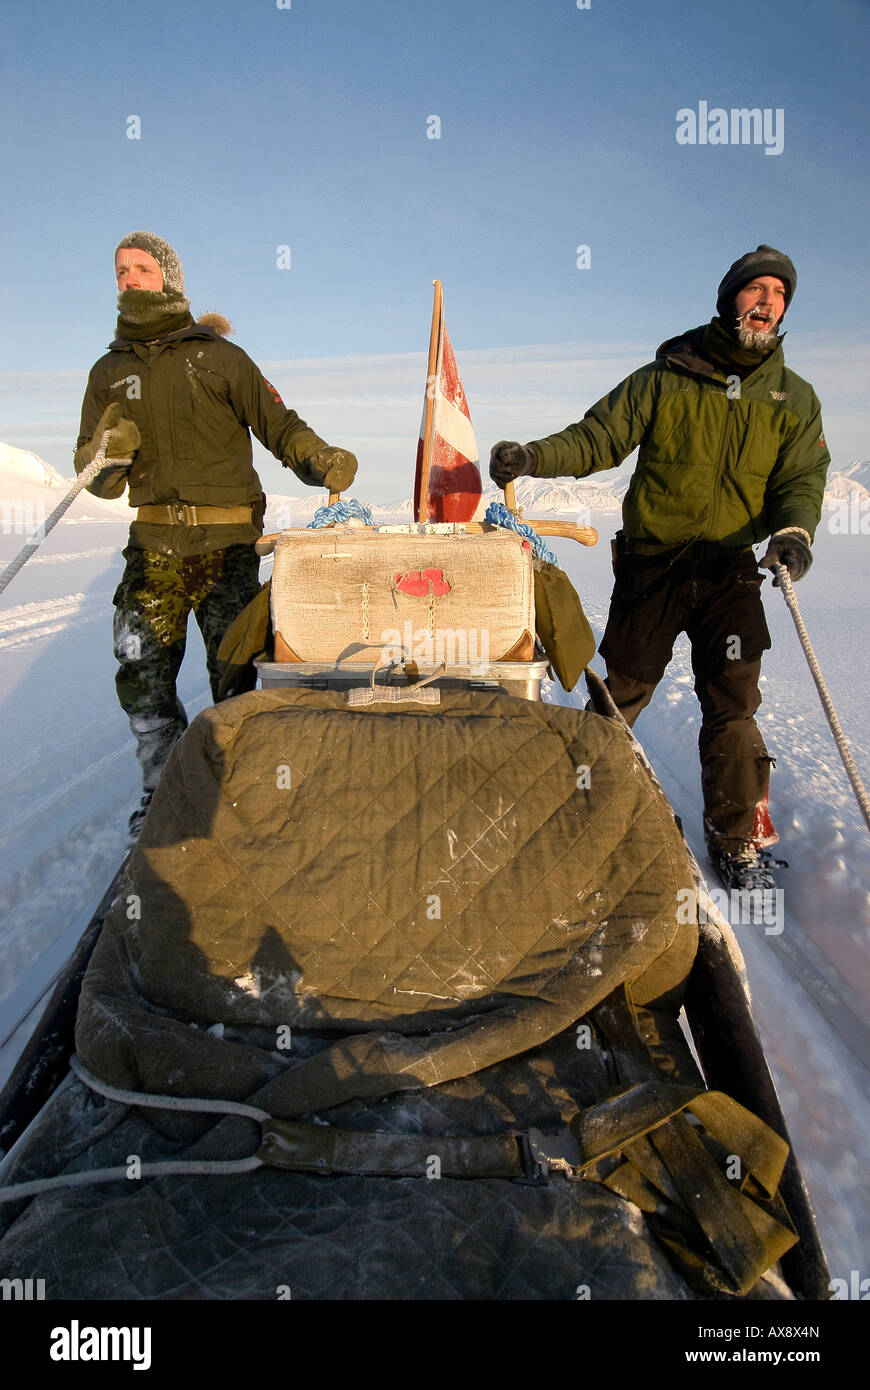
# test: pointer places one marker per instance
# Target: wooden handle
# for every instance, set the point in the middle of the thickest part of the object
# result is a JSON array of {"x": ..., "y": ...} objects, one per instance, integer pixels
[
  {"x": 510, "y": 497},
  {"x": 585, "y": 535},
  {"x": 334, "y": 497}
]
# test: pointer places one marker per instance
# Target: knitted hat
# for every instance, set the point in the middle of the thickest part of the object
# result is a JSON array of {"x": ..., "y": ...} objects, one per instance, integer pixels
[
  {"x": 764, "y": 260},
  {"x": 164, "y": 255}
]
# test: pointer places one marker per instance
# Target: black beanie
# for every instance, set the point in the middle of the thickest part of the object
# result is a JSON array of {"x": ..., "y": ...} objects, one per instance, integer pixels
[{"x": 764, "y": 260}]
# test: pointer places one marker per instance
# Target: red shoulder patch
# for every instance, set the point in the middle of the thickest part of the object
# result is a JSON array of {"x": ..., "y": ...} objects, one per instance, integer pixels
[{"x": 274, "y": 393}]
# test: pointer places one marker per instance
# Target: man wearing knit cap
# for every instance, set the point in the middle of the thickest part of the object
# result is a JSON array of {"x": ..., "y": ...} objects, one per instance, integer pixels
[
  {"x": 731, "y": 451},
  {"x": 181, "y": 401}
]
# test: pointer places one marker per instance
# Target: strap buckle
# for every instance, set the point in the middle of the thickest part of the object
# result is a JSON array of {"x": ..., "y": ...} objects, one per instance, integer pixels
[
  {"x": 543, "y": 1154},
  {"x": 181, "y": 512}
]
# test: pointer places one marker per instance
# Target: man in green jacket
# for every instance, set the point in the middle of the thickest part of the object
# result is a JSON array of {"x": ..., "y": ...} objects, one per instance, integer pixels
[
  {"x": 731, "y": 450},
  {"x": 181, "y": 401}
]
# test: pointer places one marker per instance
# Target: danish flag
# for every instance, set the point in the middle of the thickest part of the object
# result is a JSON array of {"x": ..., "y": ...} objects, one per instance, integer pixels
[{"x": 447, "y": 486}]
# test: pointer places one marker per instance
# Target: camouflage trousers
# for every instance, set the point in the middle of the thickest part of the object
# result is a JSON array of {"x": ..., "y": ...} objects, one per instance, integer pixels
[{"x": 152, "y": 604}]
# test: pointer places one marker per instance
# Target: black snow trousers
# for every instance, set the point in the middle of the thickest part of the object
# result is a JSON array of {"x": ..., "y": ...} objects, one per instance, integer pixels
[{"x": 713, "y": 595}]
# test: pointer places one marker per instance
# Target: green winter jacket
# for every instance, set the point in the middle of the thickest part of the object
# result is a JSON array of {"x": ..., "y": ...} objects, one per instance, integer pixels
[
  {"x": 194, "y": 398},
  {"x": 720, "y": 459}
]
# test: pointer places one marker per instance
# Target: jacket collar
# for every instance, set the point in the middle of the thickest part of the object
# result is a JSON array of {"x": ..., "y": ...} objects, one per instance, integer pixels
[
  {"x": 195, "y": 330},
  {"x": 685, "y": 353}
]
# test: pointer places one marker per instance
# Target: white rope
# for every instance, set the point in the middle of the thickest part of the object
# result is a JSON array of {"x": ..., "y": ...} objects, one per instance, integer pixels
[
  {"x": 90, "y": 1178},
  {"x": 87, "y": 476},
  {"x": 165, "y": 1169},
  {"x": 845, "y": 751},
  {"x": 184, "y": 1103}
]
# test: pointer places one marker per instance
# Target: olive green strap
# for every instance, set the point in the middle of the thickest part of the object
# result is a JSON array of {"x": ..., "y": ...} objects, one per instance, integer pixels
[
  {"x": 744, "y": 1230},
  {"x": 325, "y": 1149}
]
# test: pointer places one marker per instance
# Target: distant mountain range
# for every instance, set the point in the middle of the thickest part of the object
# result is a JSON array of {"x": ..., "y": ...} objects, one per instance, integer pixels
[
  {"x": 24, "y": 474},
  {"x": 537, "y": 497}
]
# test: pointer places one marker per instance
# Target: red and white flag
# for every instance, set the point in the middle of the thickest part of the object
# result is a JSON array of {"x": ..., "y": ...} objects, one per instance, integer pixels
[{"x": 447, "y": 486}]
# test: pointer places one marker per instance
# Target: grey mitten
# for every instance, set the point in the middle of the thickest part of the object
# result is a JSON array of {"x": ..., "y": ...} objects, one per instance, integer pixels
[{"x": 789, "y": 547}]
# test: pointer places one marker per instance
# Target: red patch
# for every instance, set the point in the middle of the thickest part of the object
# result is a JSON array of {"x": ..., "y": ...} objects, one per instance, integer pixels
[
  {"x": 275, "y": 397},
  {"x": 764, "y": 831},
  {"x": 417, "y": 584}
]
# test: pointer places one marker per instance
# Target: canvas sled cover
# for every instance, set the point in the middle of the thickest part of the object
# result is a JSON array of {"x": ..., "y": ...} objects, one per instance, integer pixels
[{"x": 455, "y": 923}]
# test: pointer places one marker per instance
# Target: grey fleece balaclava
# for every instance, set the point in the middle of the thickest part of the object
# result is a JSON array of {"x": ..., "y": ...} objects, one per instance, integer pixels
[
  {"x": 764, "y": 260},
  {"x": 150, "y": 306}
]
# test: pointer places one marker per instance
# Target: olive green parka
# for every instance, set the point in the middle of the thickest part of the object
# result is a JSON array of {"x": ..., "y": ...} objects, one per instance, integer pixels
[
  {"x": 720, "y": 459},
  {"x": 195, "y": 398}
]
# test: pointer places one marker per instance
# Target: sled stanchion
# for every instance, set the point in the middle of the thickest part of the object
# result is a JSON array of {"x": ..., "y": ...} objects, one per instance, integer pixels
[
  {"x": 87, "y": 476},
  {"x": 843, "y": 748}
]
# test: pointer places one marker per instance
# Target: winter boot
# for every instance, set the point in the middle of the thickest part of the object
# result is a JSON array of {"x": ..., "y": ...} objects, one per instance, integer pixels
[
  {"x": 743, "y": 867},
  {"x": 137, "y": 819},
  {"x": 156, "y": 736}
]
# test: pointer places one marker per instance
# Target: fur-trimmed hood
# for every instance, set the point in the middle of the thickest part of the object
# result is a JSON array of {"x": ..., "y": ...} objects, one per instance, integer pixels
[{"x": 222, "y": 326}]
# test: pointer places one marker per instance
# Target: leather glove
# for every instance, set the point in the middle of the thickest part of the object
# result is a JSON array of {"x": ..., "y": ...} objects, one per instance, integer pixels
[
  {"x": 330, "y": 467},
  {"x": 790, "y": 547},
  {"x": 509, "y": 460}
]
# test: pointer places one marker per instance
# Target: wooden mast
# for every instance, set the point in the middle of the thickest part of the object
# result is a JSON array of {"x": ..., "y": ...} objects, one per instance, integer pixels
[{"x": 431, "y": 382}]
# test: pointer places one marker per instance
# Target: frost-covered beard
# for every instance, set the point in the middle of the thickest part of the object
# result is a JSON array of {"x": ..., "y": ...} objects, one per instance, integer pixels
[{"x": 752, "y": 333}]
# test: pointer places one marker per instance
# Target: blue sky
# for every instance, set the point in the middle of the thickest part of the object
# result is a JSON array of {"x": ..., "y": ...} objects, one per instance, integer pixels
[{"x": 307, "y": 127}]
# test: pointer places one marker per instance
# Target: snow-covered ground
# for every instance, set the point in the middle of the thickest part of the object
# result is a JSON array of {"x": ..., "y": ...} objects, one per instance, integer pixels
[{"x": 68, "y": 780}]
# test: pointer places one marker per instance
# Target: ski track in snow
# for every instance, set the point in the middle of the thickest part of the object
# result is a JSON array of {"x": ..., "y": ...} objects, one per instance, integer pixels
[
  {"x": 73, "y": 555},
  {"x": 68, "y": 780},
  {"x": 30, "y": 622}
]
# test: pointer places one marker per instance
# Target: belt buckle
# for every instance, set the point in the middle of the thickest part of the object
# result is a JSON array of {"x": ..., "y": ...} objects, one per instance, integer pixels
[{"x": 184, "y": 515}]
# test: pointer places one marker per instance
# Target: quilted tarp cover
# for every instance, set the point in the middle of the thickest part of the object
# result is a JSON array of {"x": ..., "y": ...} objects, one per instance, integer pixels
[{"x": 422, "y": 903}]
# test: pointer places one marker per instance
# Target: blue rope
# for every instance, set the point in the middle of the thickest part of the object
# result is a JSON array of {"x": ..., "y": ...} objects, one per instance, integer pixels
[
  {"x": 497, "y": 514},
  {"x": 341, "y": 511}
]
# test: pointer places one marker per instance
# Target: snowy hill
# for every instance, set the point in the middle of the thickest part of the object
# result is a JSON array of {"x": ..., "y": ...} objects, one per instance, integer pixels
[
  {"x": 844, "y": 482},
  {"x": 23, "y": 473},
  {"x": 857, "y": 472},
  {"x": 30, "y": 489}
]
